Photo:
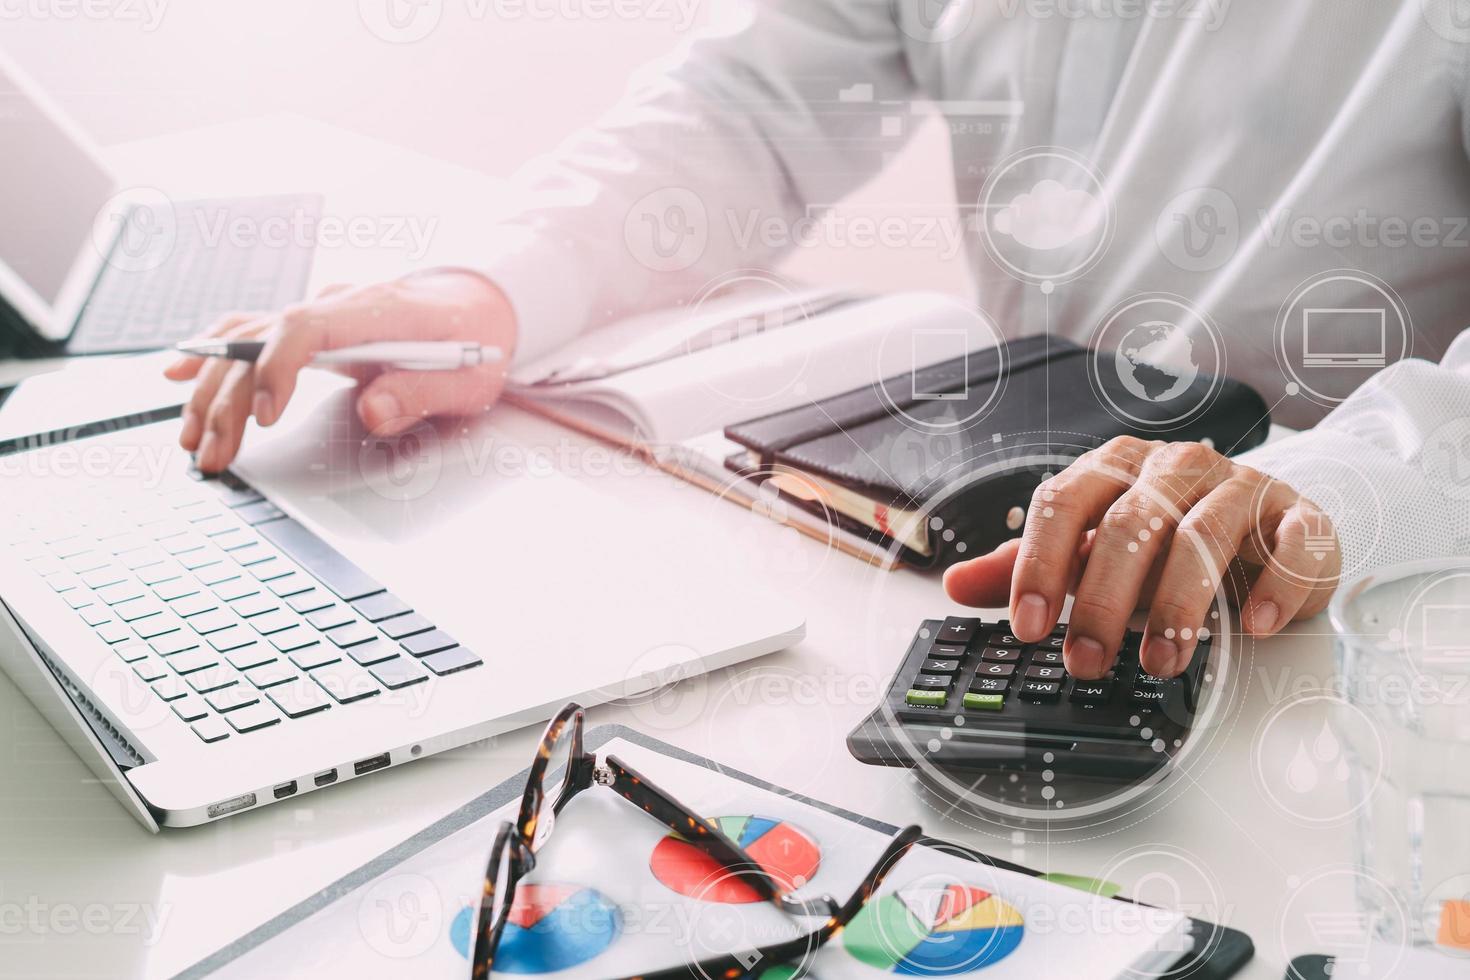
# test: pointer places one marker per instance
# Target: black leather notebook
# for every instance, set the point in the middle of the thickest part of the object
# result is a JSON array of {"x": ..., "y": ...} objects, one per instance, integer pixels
[{"x": 941, "y": 463}]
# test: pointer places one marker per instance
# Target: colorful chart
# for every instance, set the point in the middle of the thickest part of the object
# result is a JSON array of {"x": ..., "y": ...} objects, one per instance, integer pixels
[
  {"x": 551, "y": 927},
  {"x": 934, "y": 932},
  {"x": 785, "y": 851}
]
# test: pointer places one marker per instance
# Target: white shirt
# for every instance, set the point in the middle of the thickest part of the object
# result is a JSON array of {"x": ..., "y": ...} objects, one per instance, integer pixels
[{"x": 1287, "y": 184}]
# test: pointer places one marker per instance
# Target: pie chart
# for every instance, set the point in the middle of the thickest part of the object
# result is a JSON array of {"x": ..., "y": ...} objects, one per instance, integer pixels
[
  {"x": 934, "y": 931},
  {"x": 551, "y": 927},
  {"x": 785, "y": 851}
]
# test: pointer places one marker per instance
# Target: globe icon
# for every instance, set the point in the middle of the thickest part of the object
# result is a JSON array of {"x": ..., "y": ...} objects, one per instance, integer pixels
[{"x": 1156, "y": 361}]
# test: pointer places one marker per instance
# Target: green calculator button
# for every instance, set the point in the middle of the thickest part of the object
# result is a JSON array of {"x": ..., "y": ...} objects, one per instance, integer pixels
[
  {"x": 931, "y": 699},
  {"x": 984, "y": 702}
]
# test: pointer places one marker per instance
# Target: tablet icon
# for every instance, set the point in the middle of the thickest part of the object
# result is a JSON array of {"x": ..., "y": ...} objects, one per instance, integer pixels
[
  {"x": 931, "y": 348},
  {"x": 1344, "y": 337}
]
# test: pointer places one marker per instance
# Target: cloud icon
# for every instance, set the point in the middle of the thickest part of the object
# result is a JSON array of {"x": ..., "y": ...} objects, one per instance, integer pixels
[{"x": 1049, "y": 216}]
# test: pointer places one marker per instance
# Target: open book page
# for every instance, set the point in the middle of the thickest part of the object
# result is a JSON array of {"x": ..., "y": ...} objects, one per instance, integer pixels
[
  {"x": 613, "y": 894},
  {"x": 760, "y": 372}
]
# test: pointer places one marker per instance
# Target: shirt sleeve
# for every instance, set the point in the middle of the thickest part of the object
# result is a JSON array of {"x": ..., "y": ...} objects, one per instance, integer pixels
[
  {"x": 713, "y": 162},
  {"x": 1390, "y": 465}
]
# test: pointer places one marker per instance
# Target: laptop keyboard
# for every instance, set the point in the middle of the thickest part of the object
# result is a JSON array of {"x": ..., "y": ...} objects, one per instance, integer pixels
[
  {"x": 182, "y": 269},
  {"x": 234, "y": 614}
]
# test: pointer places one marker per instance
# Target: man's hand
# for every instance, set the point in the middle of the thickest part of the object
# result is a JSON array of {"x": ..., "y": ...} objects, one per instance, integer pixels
[
  {"x": 434, "y": 306},
  {"x": 1138, "y": 524}
]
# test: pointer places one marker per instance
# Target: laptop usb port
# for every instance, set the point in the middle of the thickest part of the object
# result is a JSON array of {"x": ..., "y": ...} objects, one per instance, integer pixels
[
  {"x": 326, "y": 778},
  {"x": 364, "y": 766},
  {"x": 286, "y": 789},
  {"x": 231, "y": 805}
]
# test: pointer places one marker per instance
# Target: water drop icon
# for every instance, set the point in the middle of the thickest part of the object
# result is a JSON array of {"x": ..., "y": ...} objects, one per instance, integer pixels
[
  {"x": 1326, "y": 748},
  {"x": 1301, "y": 772}
]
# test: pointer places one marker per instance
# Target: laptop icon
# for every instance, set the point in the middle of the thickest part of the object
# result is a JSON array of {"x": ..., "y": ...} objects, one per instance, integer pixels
[{"x": 1344, "y": 337}]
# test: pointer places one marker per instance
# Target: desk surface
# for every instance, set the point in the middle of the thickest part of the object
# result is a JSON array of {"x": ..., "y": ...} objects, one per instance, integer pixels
[{"x": 84, "y": 891}]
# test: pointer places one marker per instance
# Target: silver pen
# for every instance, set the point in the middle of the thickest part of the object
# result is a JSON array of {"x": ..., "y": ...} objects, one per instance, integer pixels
[{"x": 405, "y": 355}]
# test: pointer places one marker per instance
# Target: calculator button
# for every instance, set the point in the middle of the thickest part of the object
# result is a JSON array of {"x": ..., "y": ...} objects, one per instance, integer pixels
[
  {"x": 1041, "y": 690},
  {"x": 940, "y": 666},
  {"x": 1044, "y": 656},
  {"x": 1044, "y": 673},
  {"x": 1148, "y": 696},
  {"x": 995, "y": 670},
  {"x": 1000, "y": 655},
  {"x": 1052, "y": 643},
  {"x": 985, "y": 702},
  {"x": 958, "y": 631},
  {"x": 1092, "y": 692},
  {"x": 926, "y": 699},
  {"x": 942, "y": 651},
  {"x": 931, "y": 682},
  {"x": 990, "y": 685},
  {"x": 1002, "y": 639}
]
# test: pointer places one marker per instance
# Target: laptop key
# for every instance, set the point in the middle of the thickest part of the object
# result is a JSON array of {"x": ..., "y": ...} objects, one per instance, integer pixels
[
  {"x": 384, "y": 605},
  {"x": 190, "y": 707},
  {"x": 150, "y": 669},
  {"x": 119, "y": 592},
  {"x": 237, "y": 588},
  {"x": 400, "y": 626},
  {"x": 259, "y": 512},
  {"x": 231, "y": 639},
  {"x": 373, "y": 652},
  {"x": 273, "y": 622},
  {"x": 351, "y": 634},
  {"x": 193, "y": 605},
  {"x": 331, "y": 617},
  {"x": 170, "y": 688},
  {"x": 218, "y": 573},
  {"x": 232, "y": 698},
  {"x": 135, "y": 609},
  {"x": 271, "y": 674},
  {"x": 212, "y": 621},
  {"x": 314, "y": 656},
  {"x": 310, "y": 601},
  {"x": 289, "y": 585},
  {"x": 131, "y": 653},
  {"x": 100, "y": 578},
  {"x": 451, "y": 661},
  {"x": 345, "y": 682},
  {"x": 400, "y": 672},
  {"x": 190, "y": 661},
  {"x": 255, "y": 605},
  {"x": 427, "y": 643},
  {"x": 154, "y": 626},
  {"x": 175, "y": 642},
  {"x": 114, "y": 632},
  {"x": 334, "y": 571},
  {"x": 158, "y": 572},
  {"x": 211, "y": 729},
  {"x": 253, "y": 718},
  {"x": 212, "y": 678},
  {"x": 299, "y": 698},
  {"x": 253, "y": 655},
  {"x": 293, "y": 638}
]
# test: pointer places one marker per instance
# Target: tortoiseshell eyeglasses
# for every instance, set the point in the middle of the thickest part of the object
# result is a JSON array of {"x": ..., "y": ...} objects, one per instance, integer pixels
[{"x": 562, "y": 769}]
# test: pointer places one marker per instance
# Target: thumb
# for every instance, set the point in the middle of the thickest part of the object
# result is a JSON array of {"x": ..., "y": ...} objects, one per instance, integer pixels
[
  {"x": 984, "y": 581},
  {"x": 396, "y": 400}
]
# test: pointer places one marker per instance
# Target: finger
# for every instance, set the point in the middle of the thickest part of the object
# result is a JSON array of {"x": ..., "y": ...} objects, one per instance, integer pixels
[
  {"x": 1062, "y": 510},
  {"x": 1204, "y": 545},
  {"x": 334, "y": 289},
  {"x": 985, "y": 581},
  {"x": 197, "y": 409},
  {"x": 1131, "y": 536},
  {"x": 353, "y": 316},
  {"x": 225, "y": 424},
  {"x": 185, "y": 368},
  {"x": 393, "y": 402},
  {"x": 1294, "y": 577}
]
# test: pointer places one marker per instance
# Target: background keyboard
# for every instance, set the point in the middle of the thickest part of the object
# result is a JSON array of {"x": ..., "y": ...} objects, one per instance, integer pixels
[
  {"x": 184, "y": 270},
  {"x": 233, "y": 613}
]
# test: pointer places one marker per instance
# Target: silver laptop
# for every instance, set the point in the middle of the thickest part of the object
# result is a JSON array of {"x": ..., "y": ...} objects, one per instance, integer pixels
[
  {"x": 90, "y": 266},
  {"x": 337, "y": 606}
]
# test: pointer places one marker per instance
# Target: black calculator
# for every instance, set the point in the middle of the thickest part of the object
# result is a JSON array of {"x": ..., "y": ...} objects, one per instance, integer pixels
[{"x": 971, "y": 696}]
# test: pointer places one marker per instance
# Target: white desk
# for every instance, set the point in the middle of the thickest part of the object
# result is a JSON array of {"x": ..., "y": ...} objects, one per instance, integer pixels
[{"x": 80, "y": 881}]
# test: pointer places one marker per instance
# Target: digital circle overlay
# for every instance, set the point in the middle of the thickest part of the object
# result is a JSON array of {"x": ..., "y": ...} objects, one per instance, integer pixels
[
  {"x": 934, "y": 931},
  {"x": 551, "y": 927},
  {"x": 786, "y": 852},
  {"x": 1045, "y": 216}
]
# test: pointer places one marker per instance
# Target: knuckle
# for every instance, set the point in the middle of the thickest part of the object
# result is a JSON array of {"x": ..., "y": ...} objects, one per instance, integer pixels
[
  {"x": 1127, "y": 517},
  {"x": 1095, "y": 609},
  {"x": 1177, "y": 609}
]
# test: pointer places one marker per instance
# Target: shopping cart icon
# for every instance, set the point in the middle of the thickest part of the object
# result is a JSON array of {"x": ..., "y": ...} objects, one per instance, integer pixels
[{"x": 1346, "y": 935}]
